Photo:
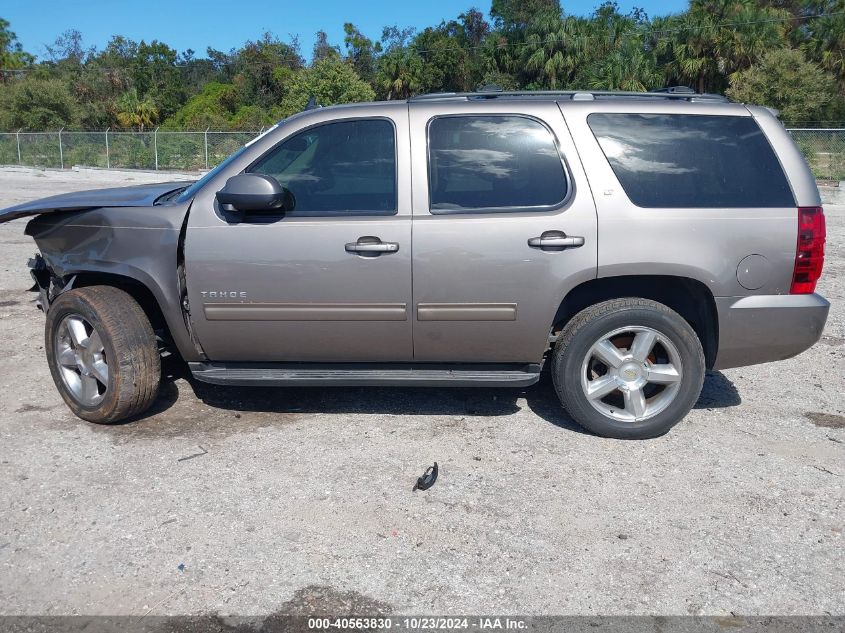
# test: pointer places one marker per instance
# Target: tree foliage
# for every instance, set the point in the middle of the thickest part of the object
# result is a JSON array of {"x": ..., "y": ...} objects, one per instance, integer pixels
[
  {"x": 520, "y": 13},
  {"x": 329, "y": 81},
  {"x": 12, "y": 55},
  {"x": 785, "y": 80},
  {"x": 789, "y": 54},
  {"x": 135, "y": 112},
  {"x": 37, "y": 104}
]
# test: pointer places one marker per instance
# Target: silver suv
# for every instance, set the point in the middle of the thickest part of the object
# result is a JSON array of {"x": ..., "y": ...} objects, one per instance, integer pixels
[{"x": 625, "y": 241}]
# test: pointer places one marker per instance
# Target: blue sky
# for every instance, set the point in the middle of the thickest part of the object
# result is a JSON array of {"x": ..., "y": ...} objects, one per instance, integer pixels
[{"x": 224, "y": 24}]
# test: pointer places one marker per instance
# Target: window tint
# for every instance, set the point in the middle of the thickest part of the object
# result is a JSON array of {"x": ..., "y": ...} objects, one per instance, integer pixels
[
  {"x": 681, "y": 160},
  {"x": 493, "y": 163},
  {"x": 342, "y": 168}
]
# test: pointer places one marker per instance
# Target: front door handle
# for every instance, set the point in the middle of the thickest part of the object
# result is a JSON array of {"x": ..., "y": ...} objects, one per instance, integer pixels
[
  {"x": 369, "y": 246},
  {"x": 556, "y": 239}
]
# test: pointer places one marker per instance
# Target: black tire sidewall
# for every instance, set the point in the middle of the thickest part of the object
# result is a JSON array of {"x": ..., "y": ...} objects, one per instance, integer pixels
[{"x": 567, "y": 371}]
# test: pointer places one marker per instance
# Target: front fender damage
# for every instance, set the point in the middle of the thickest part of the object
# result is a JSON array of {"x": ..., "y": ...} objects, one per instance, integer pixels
[{"x": 48, "y": 285}]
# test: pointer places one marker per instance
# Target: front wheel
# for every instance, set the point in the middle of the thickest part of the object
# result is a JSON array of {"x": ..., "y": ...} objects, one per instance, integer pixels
[
  {"x": 628, "y": 368},
  {"x": 102, "y": 354}
]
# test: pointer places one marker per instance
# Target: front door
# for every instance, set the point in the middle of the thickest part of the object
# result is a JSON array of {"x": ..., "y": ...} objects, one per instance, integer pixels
[
  {"x": 504, "y": 227},
  {"x": 329, "y": 281}
]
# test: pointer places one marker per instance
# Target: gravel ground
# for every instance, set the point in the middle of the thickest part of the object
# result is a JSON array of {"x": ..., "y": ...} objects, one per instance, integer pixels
[{"x": 256, "y": 501}]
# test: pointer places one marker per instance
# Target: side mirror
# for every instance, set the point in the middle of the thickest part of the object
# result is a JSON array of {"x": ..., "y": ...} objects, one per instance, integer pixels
[{"x": 255, "y": 193}]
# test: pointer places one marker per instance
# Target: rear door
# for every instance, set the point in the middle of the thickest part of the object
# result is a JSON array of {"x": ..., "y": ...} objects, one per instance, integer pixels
[
  {"x": 504, "y": 227},
  {"x": 328, "y": 281}
]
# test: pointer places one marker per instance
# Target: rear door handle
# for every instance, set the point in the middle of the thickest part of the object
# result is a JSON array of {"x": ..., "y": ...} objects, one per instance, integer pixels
[
  {"x": 556, "y": 239},
  {"x": 371, "y": 246},
  {"x": 384, "y": 247}
]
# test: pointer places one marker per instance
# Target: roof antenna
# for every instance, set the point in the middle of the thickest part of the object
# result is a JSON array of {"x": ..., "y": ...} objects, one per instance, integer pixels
[{"x": 312, "y": 104}]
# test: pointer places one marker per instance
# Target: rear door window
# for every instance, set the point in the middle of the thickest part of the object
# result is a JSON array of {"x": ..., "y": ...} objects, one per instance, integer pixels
[
  {"x": 493, "y": 164},
  {"x": 689, "y": 161}
]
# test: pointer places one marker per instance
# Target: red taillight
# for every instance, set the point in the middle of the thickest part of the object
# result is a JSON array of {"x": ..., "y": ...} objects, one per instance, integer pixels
[{"x": 809, "y": 256}]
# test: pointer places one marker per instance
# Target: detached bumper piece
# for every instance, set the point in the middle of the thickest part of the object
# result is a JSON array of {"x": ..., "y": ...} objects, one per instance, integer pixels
[{"x": 427, "y": 479}]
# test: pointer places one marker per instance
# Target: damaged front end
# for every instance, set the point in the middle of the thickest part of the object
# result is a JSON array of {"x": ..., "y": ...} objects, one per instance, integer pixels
[{"x": 47, "y": 284}]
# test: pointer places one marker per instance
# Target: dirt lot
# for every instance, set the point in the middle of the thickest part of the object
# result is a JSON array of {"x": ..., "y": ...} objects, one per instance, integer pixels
[{"x": 251, "y": 501}]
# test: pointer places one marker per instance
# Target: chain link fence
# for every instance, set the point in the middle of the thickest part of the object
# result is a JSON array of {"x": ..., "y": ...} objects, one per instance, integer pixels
[
  {"x": 824, "y": 149},
  {"x": 186, "y": 151}
]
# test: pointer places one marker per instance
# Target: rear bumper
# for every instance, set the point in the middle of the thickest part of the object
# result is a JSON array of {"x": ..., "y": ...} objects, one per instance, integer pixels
[{"x": 765, "y": 328}]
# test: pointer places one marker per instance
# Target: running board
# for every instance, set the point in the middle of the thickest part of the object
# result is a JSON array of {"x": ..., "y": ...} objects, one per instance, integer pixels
[{"x": 365, "y": 374}]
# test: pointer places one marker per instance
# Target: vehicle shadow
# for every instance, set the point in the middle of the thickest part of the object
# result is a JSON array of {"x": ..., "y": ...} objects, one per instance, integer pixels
[{"x": 718, "y": 392}]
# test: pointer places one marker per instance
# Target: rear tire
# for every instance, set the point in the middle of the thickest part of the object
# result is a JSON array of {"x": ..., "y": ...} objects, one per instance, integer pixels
[
  {"x": 102, "y": 354},
  {"x": 628, "y": 368}
]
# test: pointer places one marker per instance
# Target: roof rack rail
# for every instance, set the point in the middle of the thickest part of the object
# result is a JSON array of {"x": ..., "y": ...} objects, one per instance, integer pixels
[
  {"x": 685, "y": 90},
  {"x": 676, "y": 93}
]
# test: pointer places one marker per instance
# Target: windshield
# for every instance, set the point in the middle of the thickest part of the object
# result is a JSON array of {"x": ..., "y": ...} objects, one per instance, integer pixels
[{"x": 191, "y": 191}]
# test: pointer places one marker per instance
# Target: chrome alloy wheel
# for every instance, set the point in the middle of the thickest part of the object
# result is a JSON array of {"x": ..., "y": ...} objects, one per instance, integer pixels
[
  {"x": 82, "y": 361},
  {"x": 632, "y": 373}
]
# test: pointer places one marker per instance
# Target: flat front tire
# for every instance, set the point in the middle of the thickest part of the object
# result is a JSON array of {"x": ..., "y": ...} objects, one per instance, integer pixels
[
  {"x": 628, "y": 368},
  {"x": 102, "y": 354}
]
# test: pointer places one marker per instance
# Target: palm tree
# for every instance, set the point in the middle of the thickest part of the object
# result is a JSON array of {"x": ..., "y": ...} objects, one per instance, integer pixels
[
  {"x": 399, "y": 73},
  {"x": 135, "y": 112},
  {"x": 826, "y": 44},
  {"x": 552, "y": 50},
  {"x": 714, "y": 39},
  {"x": 615, "y": 55},
  {"x": 629, "y": 67}
]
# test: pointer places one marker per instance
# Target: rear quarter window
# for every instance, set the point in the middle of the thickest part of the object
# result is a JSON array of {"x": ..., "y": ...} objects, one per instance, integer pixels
[{"x": 692, "y": 161}]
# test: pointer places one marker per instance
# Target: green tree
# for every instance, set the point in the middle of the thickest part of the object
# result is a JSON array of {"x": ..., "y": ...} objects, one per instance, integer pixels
[
  {"x": 451, "y": 53},
  {"x": 197, "y": 72},
  {"x": 627, "y": 67},
  {"x": 261, "y": 68},
  {"x": 361, "y": 52},
  {"x": 712, "y": 46},
  {"x": 211, "y": 108},
  {"x": 250, "y": 118},
  {"x": 400, "y": 74},
  {"x": 37, "y": 104},
  {"x": 613, "y": 53},
  {"x": 823, "y": 39},
  {"x": 520, "y": 13},
  {"x": 444, "y": 59},
  {"x": 322, "y": 48},
  {"x": 96, "y": 79},
  {"x": 132, "y": 111},
  {"x": 68, "y": 48},
  {"x": 785, "y": 80},
  {"x": 704, "y": 46},
  {"x": 154, "y": 74},
  {"x": 329, "y": 81},
  {"x": 553, "y": 51},
  {"x": 12, "y": 55}
]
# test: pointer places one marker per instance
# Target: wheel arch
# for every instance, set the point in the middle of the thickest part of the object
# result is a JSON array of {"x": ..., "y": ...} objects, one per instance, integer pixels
[
  {"x": 131, "y": 286},
  {"x": 688, "y": 297},
  {"x": 146, "y": 295}
]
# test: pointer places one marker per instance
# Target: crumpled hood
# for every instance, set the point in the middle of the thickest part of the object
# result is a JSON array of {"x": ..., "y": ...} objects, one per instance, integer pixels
[{"x": 135, "y": 196}]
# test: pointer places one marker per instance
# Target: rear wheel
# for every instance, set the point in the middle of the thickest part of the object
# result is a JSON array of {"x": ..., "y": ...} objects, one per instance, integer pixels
[
  {"x": 628, "y": 368},
  {"x": 102, "y": 354}
]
